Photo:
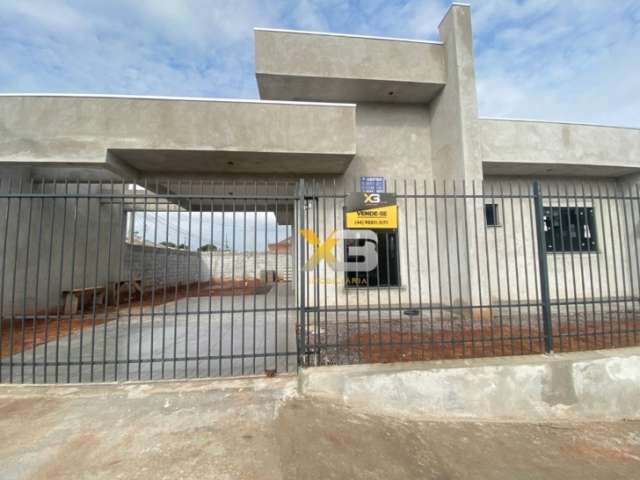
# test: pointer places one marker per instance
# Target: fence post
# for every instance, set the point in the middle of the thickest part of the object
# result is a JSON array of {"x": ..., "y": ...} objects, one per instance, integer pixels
[
  {"x": 301, "y": 276},
  {"x": 543, "y": 268}
]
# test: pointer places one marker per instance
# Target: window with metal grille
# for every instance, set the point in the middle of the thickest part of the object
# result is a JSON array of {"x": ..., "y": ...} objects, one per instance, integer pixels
[
  {"x": 491, "y": 214},
  {"x": 569, "y": 229}
]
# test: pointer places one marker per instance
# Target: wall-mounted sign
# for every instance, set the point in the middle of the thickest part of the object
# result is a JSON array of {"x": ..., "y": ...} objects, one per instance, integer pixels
[
  {"x": 371, "y": 210},
  {"x": 372, "y": 184}
]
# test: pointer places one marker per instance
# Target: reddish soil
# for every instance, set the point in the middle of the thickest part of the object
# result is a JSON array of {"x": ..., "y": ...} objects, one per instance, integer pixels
[
  {"x": 473, "y": 343},
  {"x": 45, "y": 331}
]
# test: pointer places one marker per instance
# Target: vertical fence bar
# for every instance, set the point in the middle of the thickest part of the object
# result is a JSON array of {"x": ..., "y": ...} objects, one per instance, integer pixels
[
  {"x": 165, "y": 284},
  {"x": 516, "y": 257},
  {"x": 13, "y": 282},
  {"x": 210, "y": 279},
  {"x": 95, "y": 283},
  {"x": 37, "y": 276},
  {"x": 153, "y": 281},
  {"x": 108, "y": 286},
  {"x": 301, "y": 273},
  {"x": 542, "y": 265},
  {"x": 255, "y": 256},
  {"x": 187, "y": 316},
  {"x": 496, "y": 250},
  {"x": 47, "y": 310},
  {"x": 4, "y": 264},
  {"x": 459, "y": 274},
  {"x": 476, "y": 226},
  {"x": 419, "y": 269},
  {"x": 266, "y": 259},
  {"x": 244, "y": 278},
  {"x": 83, "y": 284},
  {"x": 223, "y": 240},
  {"x": 26, "y": 284},
  {"x": 507, "y": 266}
]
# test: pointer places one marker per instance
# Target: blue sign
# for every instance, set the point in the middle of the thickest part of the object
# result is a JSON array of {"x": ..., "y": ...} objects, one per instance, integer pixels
[{"x": 372, "y": 184}]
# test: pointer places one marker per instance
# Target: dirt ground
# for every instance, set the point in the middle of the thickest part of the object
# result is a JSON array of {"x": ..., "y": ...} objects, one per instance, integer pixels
[
  {"x": 259, "y": 429},
  {"x": 388, "y": 340}
]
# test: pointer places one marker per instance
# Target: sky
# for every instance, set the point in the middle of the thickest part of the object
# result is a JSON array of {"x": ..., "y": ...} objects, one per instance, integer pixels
[
  {"x": 567, "y": 60},
  {"x": 248, "y": 231}
]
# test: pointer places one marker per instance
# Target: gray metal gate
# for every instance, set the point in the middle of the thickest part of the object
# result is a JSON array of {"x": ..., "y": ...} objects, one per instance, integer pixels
[{"x": 104, "y": 281}]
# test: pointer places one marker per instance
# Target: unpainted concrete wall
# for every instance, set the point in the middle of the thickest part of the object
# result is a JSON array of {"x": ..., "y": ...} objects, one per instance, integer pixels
[
  {"x": 80, "y": 130},
  {"x": 51, "y": 244},
  {"x": 603, "y": 385},
  {"x": 514, "y": 142},
  {"x": 512, "y": 269},
  {"x": 449, "y": 256},
  {"x": 159, "y": 266}
]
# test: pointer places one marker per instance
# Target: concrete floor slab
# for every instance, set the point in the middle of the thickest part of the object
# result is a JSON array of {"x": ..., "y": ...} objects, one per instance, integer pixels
[{"x": 256, "y": 338}]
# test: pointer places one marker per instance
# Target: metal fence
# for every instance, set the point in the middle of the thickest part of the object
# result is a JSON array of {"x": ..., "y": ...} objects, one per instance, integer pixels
[
  {"x": 104, "y": 281},
  {"x": 166, "y": 278},
  {"x": 478, "y": 269}
]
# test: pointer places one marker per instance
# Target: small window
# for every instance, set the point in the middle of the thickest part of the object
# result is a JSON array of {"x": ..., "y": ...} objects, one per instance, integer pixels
[
  {"x": 569, "y": 229},
  {"x": 491, "y": 214}
]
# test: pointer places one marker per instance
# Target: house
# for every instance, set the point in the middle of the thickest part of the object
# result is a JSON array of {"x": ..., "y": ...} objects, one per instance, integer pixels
[{"x": 482, "y": 215}]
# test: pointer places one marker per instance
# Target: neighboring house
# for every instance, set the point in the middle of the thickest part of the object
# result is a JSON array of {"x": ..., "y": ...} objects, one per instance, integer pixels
[{"x": 284, "y": 246}]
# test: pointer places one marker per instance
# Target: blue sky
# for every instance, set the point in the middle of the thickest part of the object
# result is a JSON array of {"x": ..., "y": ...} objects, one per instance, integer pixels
[{"x": 574, "y": 60}]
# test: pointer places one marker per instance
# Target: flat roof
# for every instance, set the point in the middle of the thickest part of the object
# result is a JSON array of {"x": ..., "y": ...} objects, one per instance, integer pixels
[
  {"x": 347, "y": 35},
  {"x": 190, "y": 99},
  {"x": 561, "y": 122}
]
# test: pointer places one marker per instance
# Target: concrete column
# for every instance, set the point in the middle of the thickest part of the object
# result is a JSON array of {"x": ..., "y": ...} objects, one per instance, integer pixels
[
  {"x": 454, "y": 113},
  {"x": 454, "y": 117}
]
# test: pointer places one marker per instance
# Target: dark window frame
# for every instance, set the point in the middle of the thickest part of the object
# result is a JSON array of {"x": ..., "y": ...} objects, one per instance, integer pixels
[
  {"x": 488, "y": 207},
  {"x": 570, "y": 229}
]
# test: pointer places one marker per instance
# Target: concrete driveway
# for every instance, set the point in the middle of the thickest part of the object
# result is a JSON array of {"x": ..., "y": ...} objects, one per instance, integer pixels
[
  {"x": 261, "y": 429},
  {"x": 182, "y": 343}
]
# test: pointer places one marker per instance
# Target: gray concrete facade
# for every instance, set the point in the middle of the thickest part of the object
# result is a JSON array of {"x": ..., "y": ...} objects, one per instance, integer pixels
[{"x": 410, "y": 112}]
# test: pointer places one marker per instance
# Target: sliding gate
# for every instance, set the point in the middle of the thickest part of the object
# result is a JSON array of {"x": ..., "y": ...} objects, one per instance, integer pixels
[{"x": 106, "y": 281}]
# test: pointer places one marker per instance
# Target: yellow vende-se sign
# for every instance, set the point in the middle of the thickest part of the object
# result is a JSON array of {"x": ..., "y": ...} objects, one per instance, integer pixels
[
  {"x": 374, "y": 218},
  {"x": 371, "y": 211}
]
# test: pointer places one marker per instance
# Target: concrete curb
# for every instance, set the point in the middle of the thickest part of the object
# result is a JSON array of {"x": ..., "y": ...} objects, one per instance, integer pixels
[{"x": 596, "y": 385}]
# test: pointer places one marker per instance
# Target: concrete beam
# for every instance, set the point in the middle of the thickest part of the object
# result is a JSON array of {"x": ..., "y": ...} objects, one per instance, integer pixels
[
  {"x": 160, "y": 135},
  {"x": 517, "y": 147},
  {"x": 296, "y": 65}
]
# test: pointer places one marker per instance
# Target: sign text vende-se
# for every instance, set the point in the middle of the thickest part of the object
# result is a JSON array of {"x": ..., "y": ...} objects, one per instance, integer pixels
[{"x": 371, "y": 211}]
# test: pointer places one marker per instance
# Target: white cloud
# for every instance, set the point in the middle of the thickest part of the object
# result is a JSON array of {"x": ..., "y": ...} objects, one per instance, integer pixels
[
  {"x": 555, "y": 59},
  {"x": 567, "y": 60}
]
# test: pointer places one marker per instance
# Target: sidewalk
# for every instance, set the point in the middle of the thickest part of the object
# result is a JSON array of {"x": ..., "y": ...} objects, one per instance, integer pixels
[{"x": 257, "y": 428}]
